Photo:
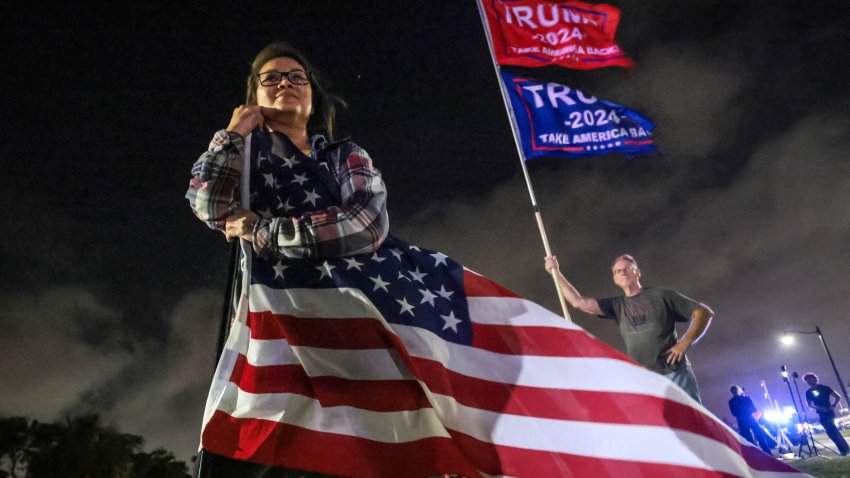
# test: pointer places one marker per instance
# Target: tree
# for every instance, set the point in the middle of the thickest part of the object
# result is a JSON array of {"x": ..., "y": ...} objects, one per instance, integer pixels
[{"x": 82, "y": 447}]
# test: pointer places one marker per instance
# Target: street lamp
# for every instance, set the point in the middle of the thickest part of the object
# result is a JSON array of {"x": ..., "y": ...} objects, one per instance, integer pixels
[{"x": 788, "y": 339}]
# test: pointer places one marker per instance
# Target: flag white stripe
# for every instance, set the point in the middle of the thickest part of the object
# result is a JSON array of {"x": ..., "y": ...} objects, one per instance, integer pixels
[
  {"x": 262, "y": 353},
  {"x": 370, "y": 364},
  {"x": 514, "y": 311},
  {"x": 298, "y": 410},
  {"x": 342, "y": 303}
]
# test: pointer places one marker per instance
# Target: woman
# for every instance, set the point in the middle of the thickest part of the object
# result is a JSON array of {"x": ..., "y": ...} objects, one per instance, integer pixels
[
  {"x": 332, "y": 202},
  {"x": 310, "y": 199}
]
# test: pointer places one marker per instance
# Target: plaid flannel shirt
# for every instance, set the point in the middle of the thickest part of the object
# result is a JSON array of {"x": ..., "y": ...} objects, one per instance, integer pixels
[{"x": 358, "y": 225}]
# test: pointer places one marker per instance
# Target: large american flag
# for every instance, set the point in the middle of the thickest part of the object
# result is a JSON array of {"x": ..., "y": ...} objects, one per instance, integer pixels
[{"x": 402, "y": 363}]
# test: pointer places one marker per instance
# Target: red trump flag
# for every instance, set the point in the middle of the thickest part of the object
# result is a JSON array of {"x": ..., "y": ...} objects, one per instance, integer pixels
[{"x": 538, "y": 33}]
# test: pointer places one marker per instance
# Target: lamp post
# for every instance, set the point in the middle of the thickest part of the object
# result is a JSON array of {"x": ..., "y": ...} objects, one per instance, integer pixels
[{"x": 786, "y": 339}]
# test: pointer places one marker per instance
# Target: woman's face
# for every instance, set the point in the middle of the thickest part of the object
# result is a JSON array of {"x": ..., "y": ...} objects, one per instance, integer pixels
[{"x": 286, "y": 96}]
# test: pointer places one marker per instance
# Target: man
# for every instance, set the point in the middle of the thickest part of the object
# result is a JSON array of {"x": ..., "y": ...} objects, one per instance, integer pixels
[
  {"x": 819, "y": 399},
  {"x": 647, "y": 318},
  {"x": 743, "y": 409}
]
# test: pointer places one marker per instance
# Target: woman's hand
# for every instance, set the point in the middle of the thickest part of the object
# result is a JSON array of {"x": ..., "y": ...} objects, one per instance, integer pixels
[
  {"x": 240, "y": 224},
  {"x": 245, "y": 119}
]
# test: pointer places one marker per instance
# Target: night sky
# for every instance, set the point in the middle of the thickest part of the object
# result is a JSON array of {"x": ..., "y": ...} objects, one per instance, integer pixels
[{"x": 112, "y": 290}]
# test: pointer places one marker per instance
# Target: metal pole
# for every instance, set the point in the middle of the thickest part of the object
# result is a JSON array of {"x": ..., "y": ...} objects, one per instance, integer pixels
[
  {"x": 807, "y": 430},
  {"x": 834, "y": 368},
  {"x": 514, "y": 129},
  {"x": 230, "y": 293},
  {"x": 781, "y": 439},
  {"x": 204, "y": 469}
]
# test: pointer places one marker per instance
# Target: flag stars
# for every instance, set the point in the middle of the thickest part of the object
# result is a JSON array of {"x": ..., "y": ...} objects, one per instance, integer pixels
[
  {"x": 269, "y": 179},
  {"x": 379, "y": 283},
  {"x": 311, "y": 197},
  {"x": 290, "y": 162},
  {"x": 352, "y": 263},
  {"x": 300, "y": 179},
  {"x": 417, "y": 276},
  {"x": 266, "y": 213},
  {"x": 402, "y": 276},
  {"x": 397, "y": 253},
  {"x": 375, "y": 257},
  {"x": 405, "y": 307},
  {"x": 325, "y": 269},
  {"x": 450, "y": 321},
  {"x": 278, "y": 269},
  {"x": 446, "y": 294},
  {"x": 440, "y": 258},
  {"x": 285, "y": 205},
  {"x": 427, "y": 296}
]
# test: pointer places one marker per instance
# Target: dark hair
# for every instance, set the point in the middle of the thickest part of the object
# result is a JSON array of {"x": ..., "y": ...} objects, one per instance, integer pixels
[
  {"x": 324, "y": 103},
  {"x": 810, "y": 374}
]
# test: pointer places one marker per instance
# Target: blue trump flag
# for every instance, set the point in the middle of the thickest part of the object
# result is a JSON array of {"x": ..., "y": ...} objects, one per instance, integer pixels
[{"x": 556, "y": 120}]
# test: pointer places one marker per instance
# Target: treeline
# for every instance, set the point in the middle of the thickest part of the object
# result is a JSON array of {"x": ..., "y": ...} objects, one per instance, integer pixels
[{"x": 79, "y": 447}]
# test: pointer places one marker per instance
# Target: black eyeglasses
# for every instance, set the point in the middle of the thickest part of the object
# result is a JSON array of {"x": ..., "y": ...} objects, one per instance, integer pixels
[{"x": 274, "y": 77}]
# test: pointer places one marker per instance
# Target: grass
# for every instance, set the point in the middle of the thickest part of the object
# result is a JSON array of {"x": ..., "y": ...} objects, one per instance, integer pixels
[{"x": 828, "y": 465}]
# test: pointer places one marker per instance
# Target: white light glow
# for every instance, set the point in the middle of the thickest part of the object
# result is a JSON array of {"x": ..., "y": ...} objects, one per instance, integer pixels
[{"x": 771, "y": 416}]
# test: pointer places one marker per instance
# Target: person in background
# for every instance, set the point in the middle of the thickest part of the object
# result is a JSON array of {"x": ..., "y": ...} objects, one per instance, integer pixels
[
  {"x": 743, "y": 409},
  {"x": 820, "y": 399}
]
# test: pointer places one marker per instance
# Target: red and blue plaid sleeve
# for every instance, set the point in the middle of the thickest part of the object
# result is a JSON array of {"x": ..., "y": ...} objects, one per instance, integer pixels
[{"x": 212, "y": 190}]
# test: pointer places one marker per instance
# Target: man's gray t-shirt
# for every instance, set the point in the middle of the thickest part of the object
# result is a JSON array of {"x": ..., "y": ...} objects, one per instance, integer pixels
[{"x": 648, "y": 324}]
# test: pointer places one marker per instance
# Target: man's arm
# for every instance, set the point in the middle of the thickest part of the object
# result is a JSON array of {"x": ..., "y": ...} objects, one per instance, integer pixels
[
  {"x": 587, "y": 304},
  {"x": 700, "y": 319},
  {"x": 837, "y": 398}
]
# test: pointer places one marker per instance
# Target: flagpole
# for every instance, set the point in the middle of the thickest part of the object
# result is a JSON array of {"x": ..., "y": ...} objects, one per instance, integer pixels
[
  {"x": 512, "y": 119},
  {"x": 239, "y": 248}
]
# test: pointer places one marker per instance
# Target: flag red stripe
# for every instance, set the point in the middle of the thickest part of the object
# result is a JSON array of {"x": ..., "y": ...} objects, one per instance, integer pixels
[
  {"x": 545, "y": 341},
  {"x": 367, "y": 333},
  {"x": 278, "y": 444},
  {"x": 374, "y": 395},
  {"x": 352, "y": 333},
  {"x": 479, "y": 286}
]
